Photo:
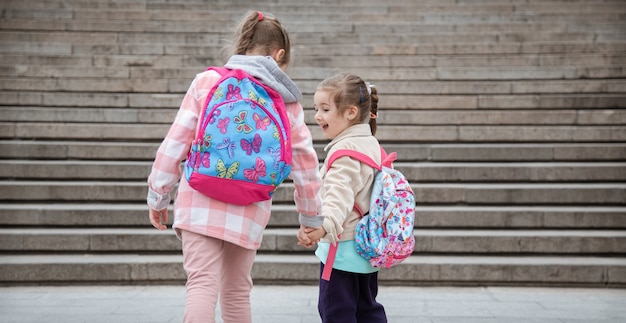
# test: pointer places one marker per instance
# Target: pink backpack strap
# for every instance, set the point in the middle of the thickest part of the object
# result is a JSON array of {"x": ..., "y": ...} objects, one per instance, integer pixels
[
  {"x": 387, "y": 160},
  {"x": 354, "y": 154}
]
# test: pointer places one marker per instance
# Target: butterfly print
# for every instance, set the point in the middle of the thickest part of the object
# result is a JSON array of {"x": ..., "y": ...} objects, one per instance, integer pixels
[
  {"x": 254, "y": 145},
  {"x": 240, "y": 120},
  {"x": 252, "y": 96},
  {"x": 196, "y": 159},
  {"x": 223, "y": 124},
  {"x": 206, "y": 142},
  {"x": 218, "y": 94},
  {"x": 205, "y": 160},
  {"x": 226, "y": 172},
  {"x": 229, "y": 145},
  {"x": 257, "y": 171},
  {"x": 193, "y": 158},
  {"x": 216, "y": 113},
  {"x": 276, "y": 134},
  {"x": 233, "y": 92},
  {"x": 261, "y": 122},
  {"x": 275, "y": 153},
  {"x": 273, "y": 177}
]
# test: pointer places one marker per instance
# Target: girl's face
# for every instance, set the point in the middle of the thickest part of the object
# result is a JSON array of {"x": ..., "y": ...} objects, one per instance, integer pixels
[{"x": 327, "y": 115}]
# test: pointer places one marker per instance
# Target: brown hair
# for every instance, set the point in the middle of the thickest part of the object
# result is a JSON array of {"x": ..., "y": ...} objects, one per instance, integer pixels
[
  {"x": 260, "y": 33},
  {"x": 350, "y": 90}
]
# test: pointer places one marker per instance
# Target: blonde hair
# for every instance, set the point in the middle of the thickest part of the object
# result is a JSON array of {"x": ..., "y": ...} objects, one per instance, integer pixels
[
  {"x": 260, "y": 33},
  {"x": 349, "y": 90}
]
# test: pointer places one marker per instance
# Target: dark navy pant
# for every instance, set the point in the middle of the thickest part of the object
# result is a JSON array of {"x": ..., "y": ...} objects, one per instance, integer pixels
[{"x": 350, "y": 298}]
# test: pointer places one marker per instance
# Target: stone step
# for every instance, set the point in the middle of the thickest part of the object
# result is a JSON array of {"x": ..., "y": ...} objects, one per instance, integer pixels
[
  {"x": 386, "y": 117},
  {"x": 430, "y": 241},
  {"x": 297, "y": 14},
  {"x": 576, "y": 91},
  {"x": 395, "y": 93},
  {"x": 117, "y": 60},
  {"x": 443, "y": 37},
  {"x": 610, "y": 100},
  {"x": 196, "y": 11},
  {"x": 408, "y": 61},
  {"x": 590, "y": 194},
  {"x": 471, "y": 217},
  {"x": 539, "y": 48},
  {"x": 24, "y": 63},
  {"x": 604, "y": 75},
  {"x": 423, "y": 172},
  {"x": 340, "y": 35},
  {"x": 606, "y": 40},
  {"x": 385, "y": 133},
  {"x": 286, "y": 269},
  {"x": 303, "y": 18},
  {"x": 470, "y": 152},
  {"x": 80, "y": 41}
]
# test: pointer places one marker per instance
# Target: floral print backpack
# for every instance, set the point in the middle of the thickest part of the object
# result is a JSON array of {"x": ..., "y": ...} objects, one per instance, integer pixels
[{"x": 384, "y": 236}]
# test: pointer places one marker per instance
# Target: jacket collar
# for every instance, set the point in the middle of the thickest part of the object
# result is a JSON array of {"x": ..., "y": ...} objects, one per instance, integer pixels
[{"x": 357, "y": 130}]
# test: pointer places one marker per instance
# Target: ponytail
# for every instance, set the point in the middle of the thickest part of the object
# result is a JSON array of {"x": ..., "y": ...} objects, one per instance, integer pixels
[
  {"x": 260, "y": 33},
  {"x": 373, "y": 107},
  {"x": 244, "y": 33}
]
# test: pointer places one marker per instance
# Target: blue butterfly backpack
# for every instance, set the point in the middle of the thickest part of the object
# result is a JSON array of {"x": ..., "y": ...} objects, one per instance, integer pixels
[{"x": 242, "y": 149}]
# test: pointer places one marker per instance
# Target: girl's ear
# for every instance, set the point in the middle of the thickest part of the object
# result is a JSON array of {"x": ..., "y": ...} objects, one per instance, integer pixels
[
  {"x": 278, "y": 55},
  {"x": 352, "y": 112}
]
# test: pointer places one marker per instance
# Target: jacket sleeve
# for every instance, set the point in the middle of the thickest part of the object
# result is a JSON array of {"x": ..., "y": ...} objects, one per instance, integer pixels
[
  {"x": 304, "y": 169},
  {"x": 166, "y": 170},
  {"x": 342, "y": 181}
]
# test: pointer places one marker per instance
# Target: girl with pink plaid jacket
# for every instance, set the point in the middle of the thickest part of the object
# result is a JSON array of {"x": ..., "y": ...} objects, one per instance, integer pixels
[{"x": 220, "y": 240}]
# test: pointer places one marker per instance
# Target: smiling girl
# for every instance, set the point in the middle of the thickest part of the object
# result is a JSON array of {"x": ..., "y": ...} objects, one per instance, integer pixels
[{"x": 346, "y": 110}]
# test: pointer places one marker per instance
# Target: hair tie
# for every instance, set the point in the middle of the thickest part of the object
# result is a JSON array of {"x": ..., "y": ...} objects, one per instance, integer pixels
[{"x": 260, "y": 15}]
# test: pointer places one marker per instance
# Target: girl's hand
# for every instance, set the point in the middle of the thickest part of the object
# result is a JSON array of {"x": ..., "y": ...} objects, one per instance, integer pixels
[
  {"x": 158, "y": 218},
  {"x": 303, "y": 237},
  {"x": 315, "y": 234}
]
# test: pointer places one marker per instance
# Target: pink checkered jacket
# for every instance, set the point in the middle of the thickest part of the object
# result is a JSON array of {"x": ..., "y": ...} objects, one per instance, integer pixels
[{"x": 241, "y": 225}]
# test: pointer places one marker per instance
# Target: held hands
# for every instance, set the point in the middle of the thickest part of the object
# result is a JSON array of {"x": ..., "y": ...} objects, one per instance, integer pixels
[
  {"x": 158, "y": 218},
  {"x": 310, "y": 236}
]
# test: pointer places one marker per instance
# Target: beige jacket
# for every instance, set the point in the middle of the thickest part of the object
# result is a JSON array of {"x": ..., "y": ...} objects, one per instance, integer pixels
[{"x": 347, "y": 181}]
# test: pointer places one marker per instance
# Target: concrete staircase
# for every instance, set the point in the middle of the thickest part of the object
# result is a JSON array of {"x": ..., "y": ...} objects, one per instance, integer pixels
[{"x": 508, "y": 117}]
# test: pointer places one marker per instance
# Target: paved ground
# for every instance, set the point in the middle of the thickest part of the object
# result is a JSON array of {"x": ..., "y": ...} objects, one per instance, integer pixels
[{"x": 286, "y": 304}]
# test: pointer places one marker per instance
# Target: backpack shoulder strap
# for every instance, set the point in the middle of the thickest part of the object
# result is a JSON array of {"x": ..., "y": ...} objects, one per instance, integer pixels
[
  {"x": 353, "y": 154},
  {"x": 387, "y": 159}
]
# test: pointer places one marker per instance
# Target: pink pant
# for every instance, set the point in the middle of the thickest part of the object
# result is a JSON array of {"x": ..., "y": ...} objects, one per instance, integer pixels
[{"x": 215, "y": 267}]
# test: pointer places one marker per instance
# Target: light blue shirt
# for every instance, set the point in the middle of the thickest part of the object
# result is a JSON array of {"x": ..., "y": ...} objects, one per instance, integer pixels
[{"x": 347, "y": 259}]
